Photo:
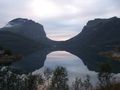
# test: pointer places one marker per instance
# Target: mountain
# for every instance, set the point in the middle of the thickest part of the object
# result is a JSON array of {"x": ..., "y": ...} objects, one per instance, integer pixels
[
  {"x": 99, "y": 42},
  {"x": 18, "y": 44},
  {"x": 27, "y": 28},
  {"x": 98, "y": 32},
  {"x": 23, "y": 36}
]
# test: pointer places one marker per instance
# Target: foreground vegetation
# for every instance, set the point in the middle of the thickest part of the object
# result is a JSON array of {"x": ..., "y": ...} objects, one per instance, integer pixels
[
  {"x": 56, "y": 80},
  {"x": 52, "y": 80}
]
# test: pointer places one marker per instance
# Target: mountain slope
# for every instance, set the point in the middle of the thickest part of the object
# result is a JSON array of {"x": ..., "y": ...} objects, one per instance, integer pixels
[
  {"x": 98, "y": 38},
  {"x": 18, "y": 44},
  {"x": 24, "y": 36},
  {"x": 98, "y": 32},
  {"x": 27, "y": 28}
]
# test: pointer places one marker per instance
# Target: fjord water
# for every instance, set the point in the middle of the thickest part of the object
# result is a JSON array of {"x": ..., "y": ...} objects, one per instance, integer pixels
[
  {"x": 42, "y": 59},
  {"x": 74, "y": 65}
]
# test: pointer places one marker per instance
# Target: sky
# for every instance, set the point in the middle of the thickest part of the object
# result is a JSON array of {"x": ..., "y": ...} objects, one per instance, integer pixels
[{"x": 62, "y": 19}]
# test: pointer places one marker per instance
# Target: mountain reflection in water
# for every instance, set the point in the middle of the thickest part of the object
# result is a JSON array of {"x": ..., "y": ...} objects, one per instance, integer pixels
[{"x": 72, "y": 63}]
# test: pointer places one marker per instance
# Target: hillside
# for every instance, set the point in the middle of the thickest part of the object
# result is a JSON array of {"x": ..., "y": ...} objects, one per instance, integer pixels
[
  {"x": 98, "y": 37},
  {"x": 23, "y": 36}
]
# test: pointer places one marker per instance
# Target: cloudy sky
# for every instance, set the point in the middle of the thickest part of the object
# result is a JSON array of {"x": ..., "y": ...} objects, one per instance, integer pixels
[{"x": 62, "y": 19}]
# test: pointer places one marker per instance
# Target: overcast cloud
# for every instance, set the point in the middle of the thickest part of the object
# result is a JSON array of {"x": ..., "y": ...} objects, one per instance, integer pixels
[{"x": 62, "y": 19}]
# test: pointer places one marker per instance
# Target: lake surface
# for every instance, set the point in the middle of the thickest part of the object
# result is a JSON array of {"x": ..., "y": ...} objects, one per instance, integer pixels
[
  {"x": 73, "y": 64},
  {"x": 76, "y": 67}
]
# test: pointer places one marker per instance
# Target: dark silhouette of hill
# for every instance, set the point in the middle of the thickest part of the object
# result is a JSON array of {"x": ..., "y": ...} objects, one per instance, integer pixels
[
  {"x": 29, "y": 38},
  {"x": 24, "y": 36},
  {"x": 98, "y": 36},
  {"x": 98, "y": 32}
]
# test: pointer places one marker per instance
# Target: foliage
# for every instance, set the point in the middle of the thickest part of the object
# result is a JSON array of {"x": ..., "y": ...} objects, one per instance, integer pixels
[
  {"x": 59, "y": 79},
  {"x": 56, "y": 80},
  {"x": 105, "y": 75},
  {"x": 47, "y": 77},
  {"x": 82, "y": 85},
  {"x": 12, "y": 81}
]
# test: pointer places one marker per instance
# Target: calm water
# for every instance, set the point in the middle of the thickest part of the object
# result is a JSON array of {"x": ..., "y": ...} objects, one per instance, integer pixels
[
  {"x": 72, "y": 63},
  {"x": 40, "y": 60}
]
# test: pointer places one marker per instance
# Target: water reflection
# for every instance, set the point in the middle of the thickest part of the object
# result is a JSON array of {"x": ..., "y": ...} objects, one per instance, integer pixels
[
  {"x": 72, "y": 63},
  {"x": 61, "y": 58},
  {"x": 89, "y": 59}
]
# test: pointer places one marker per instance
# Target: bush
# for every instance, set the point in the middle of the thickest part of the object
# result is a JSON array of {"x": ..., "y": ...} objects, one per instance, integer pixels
[
  {"x": 12, "y": 81},
  {"x": 59, "y": 79}
]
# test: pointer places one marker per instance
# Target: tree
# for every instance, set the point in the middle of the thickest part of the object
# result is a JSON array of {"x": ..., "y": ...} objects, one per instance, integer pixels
[
  {"x": 82, "y": 84},
  {"x": 47, "y": 75},
  {"x": 59, "y": 79},
  {"x": 32, "y": 82},
  {"x": 105, "y": 76},
  {"x": 77, "y": 84},
  {"x": 12, "y": 81}
]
